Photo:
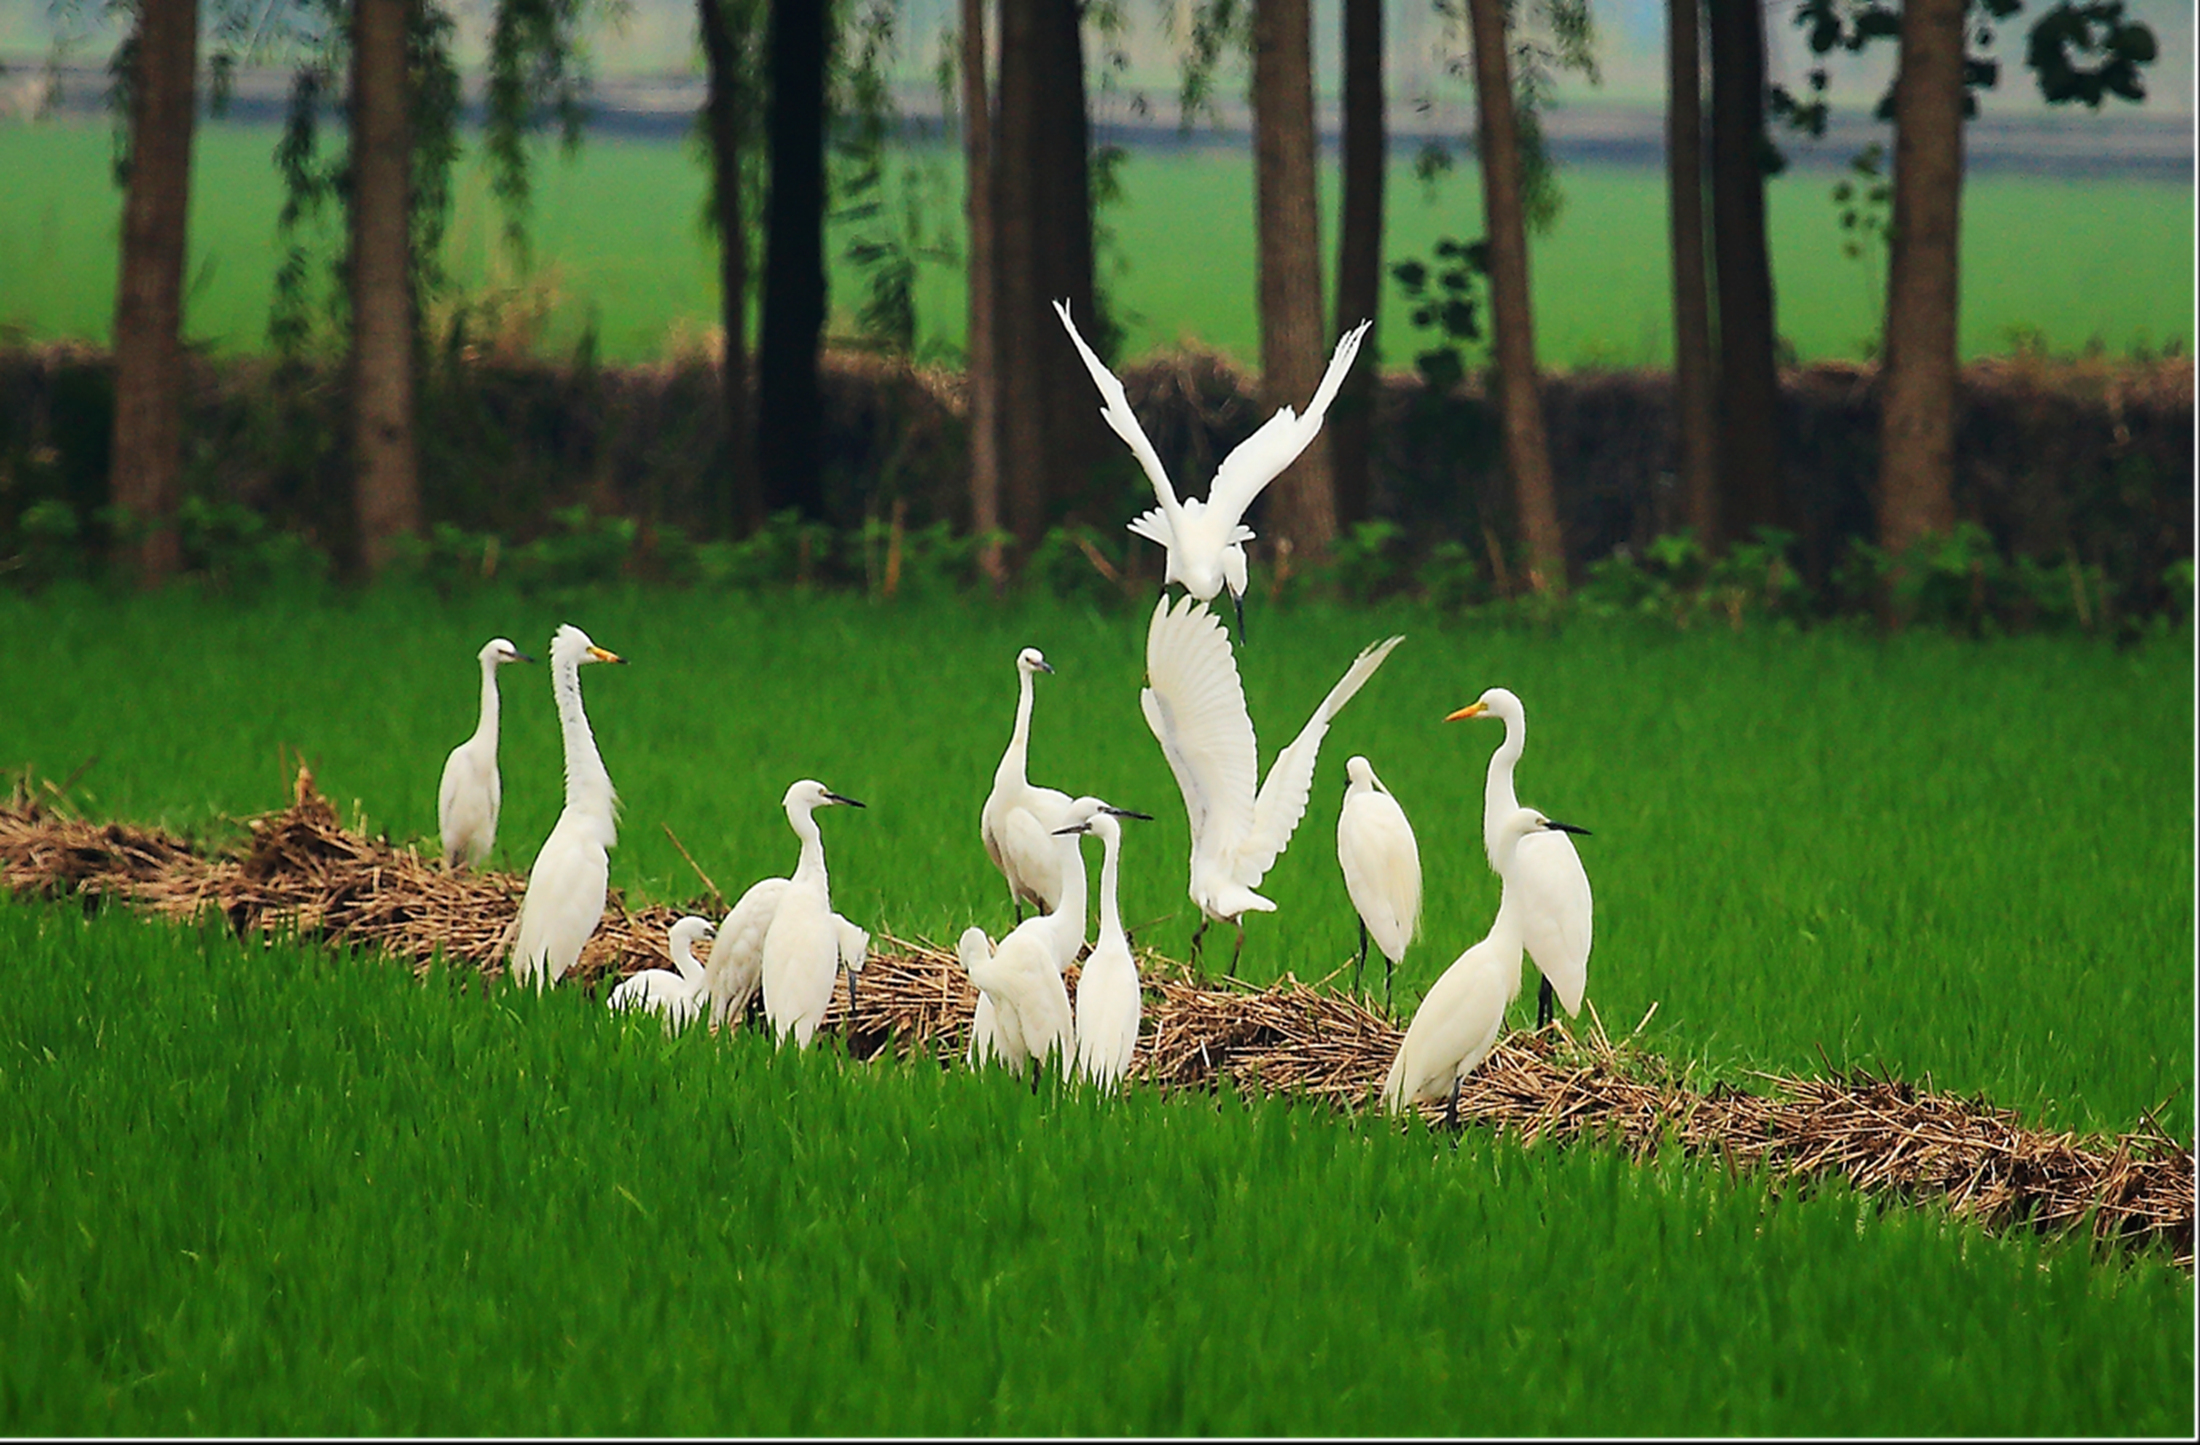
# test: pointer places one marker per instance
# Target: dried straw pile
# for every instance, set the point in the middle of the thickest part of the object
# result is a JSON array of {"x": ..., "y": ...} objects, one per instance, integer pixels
[{"x": 301, "y": 871}]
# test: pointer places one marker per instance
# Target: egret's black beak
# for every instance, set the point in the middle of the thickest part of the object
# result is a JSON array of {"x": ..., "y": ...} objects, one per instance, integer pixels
[
  {"x": 1127, "y": 813},
  {"x": 521, "y": 657},
  {"x": 1046, "y": 667},
  {"x": 832, "y": 797},
  {"x": 1073, "y": 828},
  {"x": 1557, "y": 827}
]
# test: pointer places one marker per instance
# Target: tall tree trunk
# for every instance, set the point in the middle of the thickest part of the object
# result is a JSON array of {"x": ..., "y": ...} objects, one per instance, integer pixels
[
  {"x": 1017, "y": 341},
  {"x": 1695, "y": 419},
  {"x": 1752, "y": 493},
  {"x": 1351, "y": 422},
  {"x": 794, "y": 261},
  {"x": 985, "y": 439},
  {"x": 737, "y": 502},
  {"x": 1519, "y": 402},
  {"x": 1302, "y": 507},
  {"x": 1064, "y": 264},
  {"x": 386, "y": 478},
  {"x": 1917, "y": 382},
  {"x": 148, "y": 435}
]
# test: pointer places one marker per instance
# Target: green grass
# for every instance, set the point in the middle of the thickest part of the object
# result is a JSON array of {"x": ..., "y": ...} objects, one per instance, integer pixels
[
  {"x": 619, "y": 240},
  {"x": 282, "y": 1190},
  {"x": 1969, "y": 861}
]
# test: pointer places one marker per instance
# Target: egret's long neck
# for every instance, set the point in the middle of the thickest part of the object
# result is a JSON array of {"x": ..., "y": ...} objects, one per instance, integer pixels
[
  {"x": 587, "y": 785},
  {"x": 683, "y": 959},
  {"x": 487, "y": 727},
  {"x": 1111, "y": 847},
  {"x": 809, "y": 869},
  {"x": 1069, "y": 914},
  {"x": 1507, "y": 934},
  {"x": 1498, "y": 801},
  {"x": 1019, "y": 739}
]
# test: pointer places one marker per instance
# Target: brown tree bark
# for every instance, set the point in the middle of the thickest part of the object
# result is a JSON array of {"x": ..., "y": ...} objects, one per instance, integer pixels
[
  {"x": 1751, "y": 490},
  {"x": 386, "y": 478},
  {"x": 1917, "y": 381},
  {"x": 788, "y": 447},
  {"x": 1696, "y": 423},
  {"x": 1520, "y": 406},
  {"x": 148, "y": 431},
  {"x": 1351, "y": 422},
  {"x": 979, "y": 375},
  {"x": 1301, "y": 510},
  {"x": 738, "y": 506}
]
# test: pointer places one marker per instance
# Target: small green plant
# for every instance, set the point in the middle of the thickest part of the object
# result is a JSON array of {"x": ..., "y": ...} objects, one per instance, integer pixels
[{"x": 1446, "y": 296}]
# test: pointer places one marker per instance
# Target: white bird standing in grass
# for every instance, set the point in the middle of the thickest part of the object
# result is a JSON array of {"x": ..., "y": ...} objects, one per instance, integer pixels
[
  {"x": 1458, "y": 1021},
  {"x": 736, "y": 968},
  {"x": 1018, "y": 821},
  {"x": 804, "y": 948},
  {"x": 471, "y": 794},
  {"x": 566, "y": 885},
  {"x": 1206, "y": 539},
  {"x": 1382, "y": 868},
  {"x": 1108, "y": 1003},
  {"x": 1195, "y": 705},
  {"x": 677, "y": 996},
  {"x": 1556, "y": 911}
]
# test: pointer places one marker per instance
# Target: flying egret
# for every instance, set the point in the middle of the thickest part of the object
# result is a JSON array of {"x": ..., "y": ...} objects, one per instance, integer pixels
[
  {"x": 804, "y": 947},
  {"x": 1108, "y": 1004},
  {"x": 1206, "y": 539},
  {"x": 469, "y": 797},
  {"x": 1196, "y": 708},
  {"x": 1458, "y": 1021},
  {"x": 1555, "y": 908},
  {"x": 565, "y": 887},
  {"x": 678, "y": 996},
  {"x": 1018, "y": 819},
  {"x": 1382, "y": 868}
]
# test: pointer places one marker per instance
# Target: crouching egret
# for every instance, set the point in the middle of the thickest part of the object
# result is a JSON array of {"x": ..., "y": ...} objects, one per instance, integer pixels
[
  {"x": 1556, "y": 911},
  {"x": 1018, "y": 819},
  {"x": 1458, "y": 1021},
  {"x": 803, "y": 948},
  {"x": 1195, "y": 705},
  {"x": 1206, "y": 539},
  {"x": 1382, "y": 868},
  {"x": 1108, "y": 1003},
  {"x": 565, "y": 887},
  {"x": 471, "y": 794},
  {"x": 677, "y": 996}
]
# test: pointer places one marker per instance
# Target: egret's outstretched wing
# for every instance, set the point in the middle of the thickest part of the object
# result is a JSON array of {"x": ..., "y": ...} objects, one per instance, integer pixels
[
  {"x": 1196, "y": 708},
  {"x": 1282, "y": 800},
  {"x": 1256, "y": 461},
  {"x": 1555, "y": 911},
  {"x": 1121, "y": 419}
]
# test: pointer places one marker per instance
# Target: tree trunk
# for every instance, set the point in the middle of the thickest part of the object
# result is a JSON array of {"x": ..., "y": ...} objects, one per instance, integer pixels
[
  {"x": 1063, "y": 261},
  {"x": 1520, "y": 406},
  {"x": 985, "y": 439},
  {"x": 148, "y": 435},
  {"x": 788, "y": 452},
  {"x": 1302, "y": 507},
  {"x": 1751, "y": 491},
  {"x": 1351, "y": 422},
  {"x": 386, "y": 479},
  {"x": 1021, "y": 397},
  {"x": 1917, "y": 382},
  {"x": 1695, "y": 418},
  {"x": 736, "y": 505}
]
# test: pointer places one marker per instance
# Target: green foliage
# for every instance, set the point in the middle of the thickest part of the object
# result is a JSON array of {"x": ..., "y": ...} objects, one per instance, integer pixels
[
  {"x": 1675, "y": 581},
  {"x": 1446, "y": 298}
]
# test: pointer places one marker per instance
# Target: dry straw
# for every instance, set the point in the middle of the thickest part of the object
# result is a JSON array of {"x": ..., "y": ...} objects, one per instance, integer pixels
[{"x": 301, "y": 871}]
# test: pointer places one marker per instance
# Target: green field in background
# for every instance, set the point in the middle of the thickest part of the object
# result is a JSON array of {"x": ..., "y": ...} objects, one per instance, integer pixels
[{"x": 619, "y": 240}]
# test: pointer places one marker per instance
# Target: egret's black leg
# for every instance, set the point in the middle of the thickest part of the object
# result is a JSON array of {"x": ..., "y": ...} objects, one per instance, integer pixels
[
  {"x": 1387, "y": 966},
  {"x": 1237, "y": 604},
  {"x": 1237, "y": 950},
  {"x": 851, "y": 997},
  {"x": 1359, "y": 964},
  {"x": 1019, "y": 908},
  {"x": 1543, "y": 999},
  {"x": 1451, "y": 1106},
  {"x": 1197, "y": 934}
]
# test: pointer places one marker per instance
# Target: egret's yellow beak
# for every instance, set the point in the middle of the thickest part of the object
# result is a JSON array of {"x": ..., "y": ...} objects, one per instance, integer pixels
[
  {"x": 1472, "y": 709},
  {"x": 601, "y": 655}
]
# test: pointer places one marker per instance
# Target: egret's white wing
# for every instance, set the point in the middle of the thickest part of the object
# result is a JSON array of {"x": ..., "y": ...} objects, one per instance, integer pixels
[
  {"x": 1256, "y": 461},
  {"x": 1196, "y": 708},
  {"x": 1029, "y": 859},
  {"x": 1550, "y": 889},
  {"x": 564, "y": 899},
  {"x": 1382, "y": 868},
  {"x": 1456, "y": 1025},
  {"x": 1122, "y": 420},
  {"x": 736, "y": 964},
  {"x": 1282, "y": 800},
  {"x": 855, "y": 944}
]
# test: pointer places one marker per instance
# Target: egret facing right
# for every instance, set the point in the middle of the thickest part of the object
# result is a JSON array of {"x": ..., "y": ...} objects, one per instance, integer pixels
[
  {"x": 566, "y": 886},
  {"x": 471, "y": 794},
  {"x": 803, "y": 946},
  {"x": 678, "y": 997},
  {"x": 1018, "y": 821}
]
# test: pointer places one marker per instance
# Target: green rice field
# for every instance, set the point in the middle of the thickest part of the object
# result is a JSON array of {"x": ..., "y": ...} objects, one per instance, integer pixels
[
  {"x": 619, "y": 244},
  {"x": 282, "y": 1189}
]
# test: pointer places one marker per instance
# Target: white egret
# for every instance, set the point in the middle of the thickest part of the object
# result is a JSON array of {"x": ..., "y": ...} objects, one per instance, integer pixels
[
  {"x": 1556, "y": 912},
  {"x": 1108, "y": 1003},
  {"x": 566, "y": 885},
  {"x": 1195, "y": 705},
  {"x": 679, "y": 997},
  {"x": 1018, "y": 820},
  {"x": 1458, "y": 1021},
  {"x": 471, "y": 794},
  {"x": 1382, "y": 868},
  {"x": 805, "y": 947},
  {"x": 1206, "y": 539}
]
